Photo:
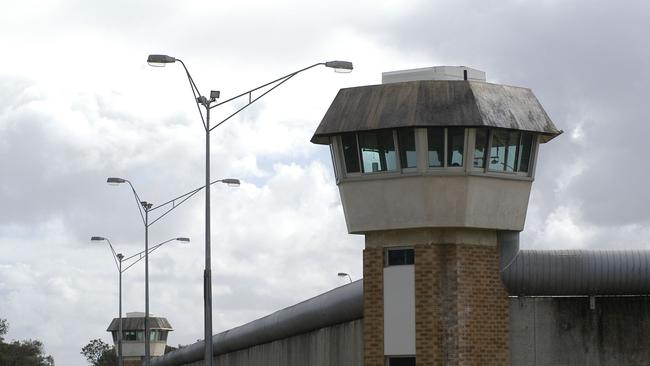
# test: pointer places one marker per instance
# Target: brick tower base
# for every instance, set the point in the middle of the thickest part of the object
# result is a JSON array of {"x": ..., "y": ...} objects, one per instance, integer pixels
[{"x": 461, "y": 307}]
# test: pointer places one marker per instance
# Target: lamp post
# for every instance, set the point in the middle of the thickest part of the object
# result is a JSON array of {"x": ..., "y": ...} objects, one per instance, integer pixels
[
  {"x": 343, "y": 274},
  {"x": 118, "y": 257},
  {"x": 207, "y": 103},
  {"x": 145, "y": 208}
]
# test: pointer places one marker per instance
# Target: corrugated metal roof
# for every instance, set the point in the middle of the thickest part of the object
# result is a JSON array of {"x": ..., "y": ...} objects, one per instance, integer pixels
[
  {"x": 138, "y": 324},
  {"x": 434, "y": 103}
]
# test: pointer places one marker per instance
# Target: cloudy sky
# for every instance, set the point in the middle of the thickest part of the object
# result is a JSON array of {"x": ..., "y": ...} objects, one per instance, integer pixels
[{"x": 78, "y": 103}]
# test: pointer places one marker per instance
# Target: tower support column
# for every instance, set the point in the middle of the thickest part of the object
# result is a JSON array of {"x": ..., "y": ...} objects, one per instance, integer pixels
[
  {"x": 461, "y": 306},
  {"x": 373, "y": 306}
]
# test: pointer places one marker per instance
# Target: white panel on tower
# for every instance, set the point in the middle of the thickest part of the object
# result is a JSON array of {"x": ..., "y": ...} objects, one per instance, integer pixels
[{"x": 399, "y": 310}]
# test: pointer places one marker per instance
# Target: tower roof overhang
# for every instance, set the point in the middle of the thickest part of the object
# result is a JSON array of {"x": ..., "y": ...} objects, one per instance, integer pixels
[
  {"x": 138, "y": 324},
  {"x": 428, "y": 103}
]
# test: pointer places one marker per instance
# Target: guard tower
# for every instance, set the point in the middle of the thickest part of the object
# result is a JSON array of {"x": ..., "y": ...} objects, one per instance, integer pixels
[
  {"x": 431, "y": 165},
  {"x": 133, "y": 336}
]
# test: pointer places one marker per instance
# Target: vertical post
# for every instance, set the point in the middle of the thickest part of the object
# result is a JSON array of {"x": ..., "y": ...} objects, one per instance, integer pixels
[
  {"x": 119, "y": 334},
  {"x": 207, "y": 274},
  {"x": 146, "y": 284}
]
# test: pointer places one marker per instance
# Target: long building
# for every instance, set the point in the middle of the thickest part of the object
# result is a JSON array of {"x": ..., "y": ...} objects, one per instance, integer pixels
[{"x": 434, "y": 167}]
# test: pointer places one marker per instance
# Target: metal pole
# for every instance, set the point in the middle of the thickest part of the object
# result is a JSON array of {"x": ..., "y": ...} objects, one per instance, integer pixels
[
  {"x": 146, "y": 284},
  {"x": 119, "y": 335},
  {"x": 207, "y": 274}
]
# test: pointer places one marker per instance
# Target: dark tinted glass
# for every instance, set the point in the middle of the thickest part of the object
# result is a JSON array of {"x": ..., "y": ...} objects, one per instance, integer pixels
[
  {"x": 350, "y": 152},
  {"x": 524, "y": 151},
  {"x": 401, "y": 361},
  {"x": 406, "y": 141},
  {"x": 455, "y": 146},
  {"x": 377, "y": 151},
  {"x": 503, "y": 152},
  {"x": 480, "y": 147},
  {"x": 436, "y": 141},
  {"x": 400, "y": 257}
]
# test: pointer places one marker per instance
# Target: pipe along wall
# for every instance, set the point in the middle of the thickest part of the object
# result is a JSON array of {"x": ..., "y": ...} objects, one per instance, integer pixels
[{"x": 571, "y": 272}]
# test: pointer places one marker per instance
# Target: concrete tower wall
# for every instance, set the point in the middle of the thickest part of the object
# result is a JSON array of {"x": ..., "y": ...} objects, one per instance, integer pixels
[{"x": 417, "y": 201}]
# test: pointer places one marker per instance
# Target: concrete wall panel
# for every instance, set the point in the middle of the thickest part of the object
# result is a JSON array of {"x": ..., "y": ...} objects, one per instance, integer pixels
[
  {"x": 566, "y": 331},
  {"x": 338, "y": 345}
]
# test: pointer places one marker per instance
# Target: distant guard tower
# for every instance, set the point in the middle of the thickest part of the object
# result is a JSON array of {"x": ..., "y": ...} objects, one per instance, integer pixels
[
  {"x": 133, "y": 336},
  {"x": 432, "y": 165}
]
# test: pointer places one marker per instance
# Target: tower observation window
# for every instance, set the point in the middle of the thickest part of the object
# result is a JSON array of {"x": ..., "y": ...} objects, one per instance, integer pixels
[
  {"x": 436, "y": 142},
  {"x": 350, "y": 152},
  {"x": 510, "y": 151},
  {"x": 446, "y": 146},
  {"x": 390, "y": 150},
  {"x": 455, "y": 146},
  {"x": 406, "y": 144},
  {"x": 377, "y": 151},
  {"x": 480, "y": 148}
]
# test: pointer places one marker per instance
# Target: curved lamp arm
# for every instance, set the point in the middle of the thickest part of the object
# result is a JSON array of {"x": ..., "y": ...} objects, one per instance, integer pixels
[
  {"x": 139, "y": 202},
  {"x": 184, "y": 197},
  {"x": 115, "y": 255},
  {"x": 337, "y": 65},
  {"x": 140, "y": 254},
  {"x": 162, "y": 60}
]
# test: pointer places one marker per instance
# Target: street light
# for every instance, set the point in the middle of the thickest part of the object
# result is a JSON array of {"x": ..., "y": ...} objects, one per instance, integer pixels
[
  {"x": 119, "y": 258},
  {"x": 148, "y": 207},
  {"x": 343, "y": 274},
  {"x": 207, "y": 103}
]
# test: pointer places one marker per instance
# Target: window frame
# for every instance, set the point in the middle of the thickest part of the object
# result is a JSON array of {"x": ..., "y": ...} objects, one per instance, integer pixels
[
  {"x": 389, "y": 249},
  {"x": 398, "y": 167},
  {"x": 445, "y": 152},
  {"x": 398, "y": 150},
  {"x": 531, "y": 159},
  {"x": 422, "y": 155},
  {"x": 341, "y": 156}
]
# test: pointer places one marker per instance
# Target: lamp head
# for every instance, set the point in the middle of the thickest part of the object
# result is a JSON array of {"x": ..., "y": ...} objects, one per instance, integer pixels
[
  {"x": 97, "y": 238},
  {"x": 185, "y": 240},
  {"x": 340, "y": 66},
  {"x": 342, "y": 274},
  {"x": 119, "y": 256},
  {"x": 115, "y": 181},
  {"x": 160, "y": 60},
  {"x": 231, "y": 182}
]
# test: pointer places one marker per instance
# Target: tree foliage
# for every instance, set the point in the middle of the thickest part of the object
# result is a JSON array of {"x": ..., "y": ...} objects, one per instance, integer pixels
[
  {"x": 108, "y": 358},
  {"x": 21, "y": 353},
  {"x": 95, "y": 350},
  {"x": 4, "y": 327}
]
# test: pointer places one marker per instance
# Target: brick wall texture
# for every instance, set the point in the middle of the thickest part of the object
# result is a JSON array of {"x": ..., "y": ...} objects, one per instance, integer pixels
[
  {"x": 461, "y": 307},
  {"x": 373, "y": 306}
]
